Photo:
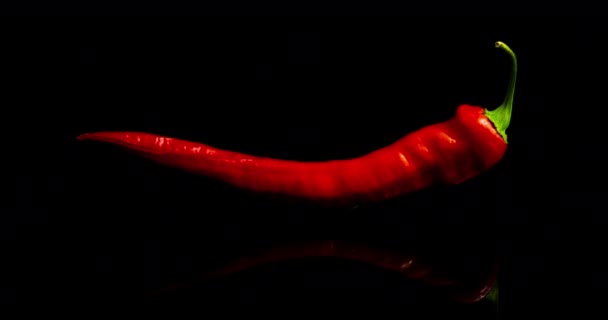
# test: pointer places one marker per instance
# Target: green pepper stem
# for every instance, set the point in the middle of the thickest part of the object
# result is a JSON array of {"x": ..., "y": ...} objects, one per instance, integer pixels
[{"x": 501, "y": 116}]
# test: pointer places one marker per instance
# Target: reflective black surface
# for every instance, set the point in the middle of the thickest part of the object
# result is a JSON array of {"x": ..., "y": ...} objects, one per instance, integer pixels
[{"x": 88, "y": 222}]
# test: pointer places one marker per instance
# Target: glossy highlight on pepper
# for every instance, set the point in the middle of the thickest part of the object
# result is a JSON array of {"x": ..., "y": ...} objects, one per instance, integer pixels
[{"x": 448, "y": 152}]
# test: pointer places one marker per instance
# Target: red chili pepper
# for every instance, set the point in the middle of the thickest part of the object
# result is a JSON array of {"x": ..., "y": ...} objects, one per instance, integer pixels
[{"x": 449, "y": 152}]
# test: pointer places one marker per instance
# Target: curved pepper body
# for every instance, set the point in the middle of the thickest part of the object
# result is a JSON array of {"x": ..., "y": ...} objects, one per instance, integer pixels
[{"x": 448, "y": 152}]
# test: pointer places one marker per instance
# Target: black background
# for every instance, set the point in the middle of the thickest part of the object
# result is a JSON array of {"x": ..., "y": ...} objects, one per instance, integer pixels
[{"x": 87, "y": 222}]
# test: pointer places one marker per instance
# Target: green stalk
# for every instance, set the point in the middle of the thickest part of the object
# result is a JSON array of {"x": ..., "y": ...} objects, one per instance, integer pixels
[{"x": 501, "y": 116}]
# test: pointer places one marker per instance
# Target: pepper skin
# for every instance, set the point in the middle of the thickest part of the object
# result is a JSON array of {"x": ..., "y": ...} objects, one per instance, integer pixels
[{"x": 450, "y": 152}]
